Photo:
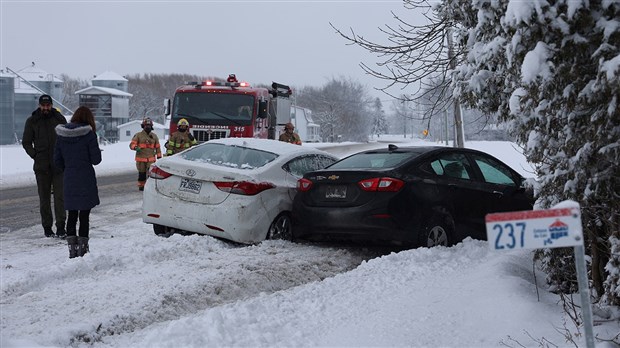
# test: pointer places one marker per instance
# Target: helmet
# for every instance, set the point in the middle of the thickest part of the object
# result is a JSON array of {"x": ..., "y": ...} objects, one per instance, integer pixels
[
  {"x": 147, "y": 121},
  {"x": 289, "y": 126},
  {"x": 183, "y": 122}
]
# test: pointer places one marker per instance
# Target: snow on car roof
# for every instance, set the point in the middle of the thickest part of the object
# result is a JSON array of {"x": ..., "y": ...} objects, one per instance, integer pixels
[{"x": 274, "y": 146}]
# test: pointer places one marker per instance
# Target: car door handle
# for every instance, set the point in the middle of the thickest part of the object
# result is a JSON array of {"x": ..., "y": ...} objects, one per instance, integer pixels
[{"x": 498, "y": 193}]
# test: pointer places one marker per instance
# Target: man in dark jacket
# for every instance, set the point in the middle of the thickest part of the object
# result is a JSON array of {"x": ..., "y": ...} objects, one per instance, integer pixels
[{"x": 39, "y": 140}]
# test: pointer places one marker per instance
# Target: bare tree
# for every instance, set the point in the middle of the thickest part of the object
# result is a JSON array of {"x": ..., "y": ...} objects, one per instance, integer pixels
[
  {"x": 69, "y": 87},
  {"x": 421, "y": 57},
  {"x": 341, "y": 107}
]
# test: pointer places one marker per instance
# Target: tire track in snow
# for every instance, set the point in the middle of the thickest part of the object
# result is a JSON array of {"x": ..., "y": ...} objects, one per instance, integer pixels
[{"x": 137, "y": 279}]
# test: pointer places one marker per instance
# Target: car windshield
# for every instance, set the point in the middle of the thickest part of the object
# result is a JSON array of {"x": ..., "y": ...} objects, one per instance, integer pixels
[
  {"x": 214, "y": 108},
  {"x": 231, "y": 156},
  {"x": 374, "y": 160}
]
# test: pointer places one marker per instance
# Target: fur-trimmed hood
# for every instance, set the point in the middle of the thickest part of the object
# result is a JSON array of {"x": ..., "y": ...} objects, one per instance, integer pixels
[{"x": 72, "y": 130}]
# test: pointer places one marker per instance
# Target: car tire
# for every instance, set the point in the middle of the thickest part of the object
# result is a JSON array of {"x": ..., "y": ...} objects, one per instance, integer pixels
[
  {"x": 162, "y": 231},
  {"x": 281, "y": 227},
  {"x": 438, "y": 231}
]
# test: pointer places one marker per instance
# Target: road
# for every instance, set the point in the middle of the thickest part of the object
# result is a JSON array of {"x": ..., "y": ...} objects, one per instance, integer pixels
[
  {"x": 19, "y": 207},
  {"x": 134, "y": 279}
]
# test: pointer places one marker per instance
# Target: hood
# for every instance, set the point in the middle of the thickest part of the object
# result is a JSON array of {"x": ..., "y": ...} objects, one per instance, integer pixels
[{"x": 73, "y": 130}]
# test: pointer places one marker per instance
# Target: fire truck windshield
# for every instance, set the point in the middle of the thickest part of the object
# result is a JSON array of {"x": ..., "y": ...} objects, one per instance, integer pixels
[{"x": 214, "y": 108}]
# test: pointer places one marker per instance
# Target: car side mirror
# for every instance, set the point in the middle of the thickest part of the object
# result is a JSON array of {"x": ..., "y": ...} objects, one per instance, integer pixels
[
  {"x": 167, "y": 107},
  {"x": 262, "y": 109}
]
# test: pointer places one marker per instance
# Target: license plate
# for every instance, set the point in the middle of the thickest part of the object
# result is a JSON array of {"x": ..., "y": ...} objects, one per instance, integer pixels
[
  {"x": 336, "y": 192},
  {"x": 190, "y": 185}
]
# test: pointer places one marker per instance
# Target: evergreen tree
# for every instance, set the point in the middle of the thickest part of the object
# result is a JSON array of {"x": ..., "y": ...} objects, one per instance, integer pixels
[
  {"x": 552, "y": 70},
  {"x": 379, "y": 123}
]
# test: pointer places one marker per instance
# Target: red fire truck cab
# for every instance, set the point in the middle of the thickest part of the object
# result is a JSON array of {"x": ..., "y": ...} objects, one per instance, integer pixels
[{"x": 217, "y": 110}]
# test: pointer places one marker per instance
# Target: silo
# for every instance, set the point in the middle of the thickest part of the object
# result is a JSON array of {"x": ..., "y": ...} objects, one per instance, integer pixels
[
  {"x": 26, "y": 101},
  {"x": 30, "y": 84},
  {"x": 7, "y": 109},
  {"x": 46, "y": 82},
  {"x": 111, "y": 80}
]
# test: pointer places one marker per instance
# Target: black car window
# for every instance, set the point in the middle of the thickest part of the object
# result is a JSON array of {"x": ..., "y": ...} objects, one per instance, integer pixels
[
  {"x": 301, "y": 165},
  {"x": 430, "y": 168},
  {"x": 374, "y": 160},
  {"x": 453, "y": 166},
  {"x": 494, "y": 172},
  {"x": 437, "y": 167}
]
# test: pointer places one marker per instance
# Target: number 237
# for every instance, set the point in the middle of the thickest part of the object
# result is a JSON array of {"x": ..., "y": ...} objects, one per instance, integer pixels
[{"x": 512, "y": 232}]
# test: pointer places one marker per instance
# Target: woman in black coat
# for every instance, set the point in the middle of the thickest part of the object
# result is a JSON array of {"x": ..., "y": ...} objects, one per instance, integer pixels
[{"x": 76, "y": 151}]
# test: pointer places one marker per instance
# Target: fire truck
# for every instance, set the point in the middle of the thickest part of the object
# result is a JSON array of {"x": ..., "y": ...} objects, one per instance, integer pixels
[{"x": 222, "y": 109}]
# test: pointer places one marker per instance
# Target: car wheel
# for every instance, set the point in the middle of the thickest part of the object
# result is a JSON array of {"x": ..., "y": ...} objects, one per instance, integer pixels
[
  {"x": 281, "y": 228},
  {"x": 162, "y": 231},
  {"x": 438, "y": 231}
]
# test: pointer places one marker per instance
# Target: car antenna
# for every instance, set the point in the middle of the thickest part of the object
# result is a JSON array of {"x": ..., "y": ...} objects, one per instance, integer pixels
[{"x": 392, "y": 147}]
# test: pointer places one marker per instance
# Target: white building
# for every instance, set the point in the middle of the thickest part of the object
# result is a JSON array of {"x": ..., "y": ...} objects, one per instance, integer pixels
[
  {"x": 108, "y": 99},
  {"x": 308, "y": 131},
  {"x": 127, "y": 130}
]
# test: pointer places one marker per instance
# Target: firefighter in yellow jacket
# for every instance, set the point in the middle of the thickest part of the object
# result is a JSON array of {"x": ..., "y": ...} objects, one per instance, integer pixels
[
  {"x": 181, "y": 139},
  {"x": 146, "y": 145}
]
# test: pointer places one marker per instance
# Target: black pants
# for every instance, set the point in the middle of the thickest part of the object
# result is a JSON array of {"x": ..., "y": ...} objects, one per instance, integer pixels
[
  {"x": 72, "y": 222},
  {"x": 45, "y": 182}
]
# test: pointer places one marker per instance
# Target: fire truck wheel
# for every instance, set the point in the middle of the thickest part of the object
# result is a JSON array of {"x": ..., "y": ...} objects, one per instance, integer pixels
[{"x": 281, "y": 227}]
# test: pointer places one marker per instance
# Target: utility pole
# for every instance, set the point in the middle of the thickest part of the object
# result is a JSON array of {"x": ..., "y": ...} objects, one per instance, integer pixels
[
  {"x": 445, "y": 129},
  {"x": 459, "y": 137}
]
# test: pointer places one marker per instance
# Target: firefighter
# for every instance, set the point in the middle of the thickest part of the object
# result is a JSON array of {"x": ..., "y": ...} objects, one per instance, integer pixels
[
  {"x": 289, "y": 135},
  {"x": 146, "y": 145},
  {"x": 181, "y": 139}
]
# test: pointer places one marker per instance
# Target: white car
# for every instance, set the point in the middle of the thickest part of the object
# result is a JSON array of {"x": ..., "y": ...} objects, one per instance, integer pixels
[{"x": 239, "y": 189}]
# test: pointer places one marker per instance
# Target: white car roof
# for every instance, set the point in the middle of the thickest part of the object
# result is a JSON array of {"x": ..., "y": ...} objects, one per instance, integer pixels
[
  {"x": 274, "y": 146},
  {"x": 284, "y": 151}
]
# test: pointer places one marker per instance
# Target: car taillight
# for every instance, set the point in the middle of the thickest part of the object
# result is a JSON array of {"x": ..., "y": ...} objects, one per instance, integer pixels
[
  {"x": 304, "y": 185},
  {"x": 157, "y": 173},
  {"x": 243, "y": 187},
  {"x": 381, "y": 184}
]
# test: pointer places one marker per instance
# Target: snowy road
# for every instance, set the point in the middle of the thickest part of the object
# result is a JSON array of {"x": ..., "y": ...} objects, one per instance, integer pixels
[
  {"x": 195, "y": 273},
  {"x": 20, "y": 205},
  {"x": 116, "y": 291},
  {"x": 135, "y": 289}
]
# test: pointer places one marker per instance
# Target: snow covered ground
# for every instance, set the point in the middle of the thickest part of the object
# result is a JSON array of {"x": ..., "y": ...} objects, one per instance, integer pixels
[{"x": 135, "y": 289}]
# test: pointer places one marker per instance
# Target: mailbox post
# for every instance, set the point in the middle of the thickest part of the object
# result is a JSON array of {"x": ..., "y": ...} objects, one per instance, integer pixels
[{"x": 552, "y": 228}]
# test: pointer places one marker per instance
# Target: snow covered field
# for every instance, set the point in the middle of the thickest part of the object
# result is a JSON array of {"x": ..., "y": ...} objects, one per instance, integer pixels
[{"x": 135, "y": 289}]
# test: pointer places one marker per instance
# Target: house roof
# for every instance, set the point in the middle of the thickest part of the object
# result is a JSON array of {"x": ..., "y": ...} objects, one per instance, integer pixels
[{"x": 103, "y": 91}]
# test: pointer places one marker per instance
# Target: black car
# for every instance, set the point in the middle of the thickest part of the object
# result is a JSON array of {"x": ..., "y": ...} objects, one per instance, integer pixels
[{"x": 407, "y": 196}]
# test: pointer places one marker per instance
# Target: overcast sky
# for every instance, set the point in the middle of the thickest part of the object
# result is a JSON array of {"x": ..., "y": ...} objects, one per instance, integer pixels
[{"x": 290, "y": 42}]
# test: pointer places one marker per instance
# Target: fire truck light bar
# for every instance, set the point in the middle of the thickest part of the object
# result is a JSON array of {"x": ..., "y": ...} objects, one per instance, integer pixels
[{"x": 217, "y": 83}]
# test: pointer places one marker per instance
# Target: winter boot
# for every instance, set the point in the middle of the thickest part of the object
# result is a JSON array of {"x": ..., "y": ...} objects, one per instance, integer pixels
[
  {"x": 72, "y": 242},
  {"x": 61, "y": 233},
  {"x": 82, "y": 246},
  {"x": 48, "y": 232}
]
